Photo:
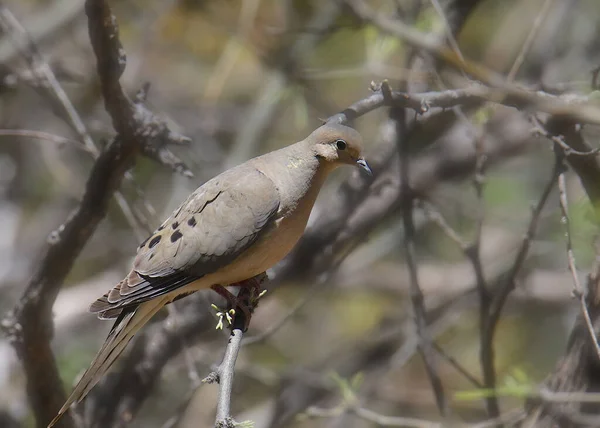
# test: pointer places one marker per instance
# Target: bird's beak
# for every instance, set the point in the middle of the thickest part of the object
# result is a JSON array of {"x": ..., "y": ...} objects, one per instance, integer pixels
[{"x": 364, "y": 165}]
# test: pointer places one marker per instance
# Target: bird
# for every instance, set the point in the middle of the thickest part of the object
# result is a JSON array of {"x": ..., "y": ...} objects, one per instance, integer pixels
[{"x": 232, "y": 228}]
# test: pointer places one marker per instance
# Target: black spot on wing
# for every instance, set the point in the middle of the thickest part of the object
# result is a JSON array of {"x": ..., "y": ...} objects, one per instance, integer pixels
[
  {"x": 176, "y": 235},
  {"x": 175, "y": 225},
  {"x": 154, "y": 241},
  {"x": 192, "y": 221}
]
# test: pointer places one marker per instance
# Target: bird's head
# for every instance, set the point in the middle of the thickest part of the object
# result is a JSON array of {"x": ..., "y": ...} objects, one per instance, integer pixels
[{"x": 338, "y": 144}]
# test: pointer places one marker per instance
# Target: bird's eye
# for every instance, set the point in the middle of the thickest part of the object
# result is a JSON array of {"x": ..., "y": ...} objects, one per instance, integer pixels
[{"x": 341, "y": 144}]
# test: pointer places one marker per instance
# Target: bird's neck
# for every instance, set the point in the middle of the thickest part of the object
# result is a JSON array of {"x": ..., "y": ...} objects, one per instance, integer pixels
[{"x": 298, "y": 179}]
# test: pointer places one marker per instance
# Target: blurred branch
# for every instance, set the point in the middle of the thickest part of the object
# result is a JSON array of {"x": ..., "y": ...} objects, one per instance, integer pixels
[
  {"x": 40, "y": 135},
  {"x": 566, "y": 220},
  {"x": 541, "y": 129},
  {"x": 576, "y": 377},
  {"x": 578, "y": 371},
  {"x": 510, "y": 283},
  {"x": 495, "y": 302},
  {"x": 44, "y": 25},
  {"x": 361, "y": 204},
  {"x": 384, "y": 349},
  {"x": 41, "y": 70},
  {"x": 398, "y": 421},
  {"x": 587, "y": 168},
  {"x": 457, "y": 13},
  {"x": 539, "y": 19},
  {"x": 502, "y": 92},
  {"x": 370, "y": 416},
  {"x": 29, "y": 325},
  {"x": 285, "y": 64},
  {"x": 403, "y": 139},
  {"x": 156, "y": 132},
  {"x": 7, "y": 421},
  {"x": 457, "y": 366}
]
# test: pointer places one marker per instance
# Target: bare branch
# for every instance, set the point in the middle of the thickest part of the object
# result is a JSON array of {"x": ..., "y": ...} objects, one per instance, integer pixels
[
  {"x": 577, "y": 289},
  {"x": 224, "y": 375},
  {"x": 510, "y": 283},
  {"x": 499, "y": 90},
  {"x": 539, "y": 19},
  {"x": 425, "y": 346},
  {"x": 29, "y": 325}
]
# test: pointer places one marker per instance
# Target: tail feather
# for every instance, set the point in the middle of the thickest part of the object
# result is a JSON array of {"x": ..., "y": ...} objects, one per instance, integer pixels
[{"x": 125, "y": 327}]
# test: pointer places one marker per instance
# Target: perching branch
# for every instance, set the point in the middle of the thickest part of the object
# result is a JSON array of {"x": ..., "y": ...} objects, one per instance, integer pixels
[{"x": 225, "y": 375}]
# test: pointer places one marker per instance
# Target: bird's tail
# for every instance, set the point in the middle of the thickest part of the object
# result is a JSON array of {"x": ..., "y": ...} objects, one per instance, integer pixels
[{"x": 128, "y": 323}]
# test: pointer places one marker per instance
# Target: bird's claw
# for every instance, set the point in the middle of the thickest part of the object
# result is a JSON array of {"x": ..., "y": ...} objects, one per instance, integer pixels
[{"x": 223, "y": 314}]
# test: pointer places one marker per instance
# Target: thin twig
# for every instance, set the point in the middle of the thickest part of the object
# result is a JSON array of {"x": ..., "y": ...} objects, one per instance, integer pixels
[
  {"x": 459, "y": 368},
  {"x": 472, "y": 252},
  {"x": 420, "y": 312},
  {"x": 316, "y": 288},
  {"x": 537, "y": 23},
  {"x": 512, "y": 417},
  {"x": 451, "y": 39},
  {"x": 499, "y": 90},
  {"x": 260, "y": 115},
  {"x": 490, "y": 306},
  {"x": 39, "y": 66},
  {"x": 192, "y": 371},
  {"x": 577, "y": 288},
  {"x": 379, "y": 419},
  {"x": 486, "y": 353},
  {"x": 500, "y": 297},
  {"x": 392, "y": 421},
  {"x": 509, "y": 284},
  {"x": 540, "y": 129},
  {"x": 41, "y": 69},
  {"x": 436, "y": 217},
  {"x": 29, "y": 325},
  {"x": 40, "y": 135},
  {"x": 319, "y": 285}
]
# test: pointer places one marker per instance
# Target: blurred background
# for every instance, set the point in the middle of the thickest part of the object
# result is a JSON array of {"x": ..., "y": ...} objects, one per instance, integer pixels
[{"x": 244, "y": 77}]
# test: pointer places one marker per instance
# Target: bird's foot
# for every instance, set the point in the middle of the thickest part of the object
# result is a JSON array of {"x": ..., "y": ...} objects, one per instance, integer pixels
[
  {"x": 243, "y": 304},
  {"x": 223, "y": 314}
]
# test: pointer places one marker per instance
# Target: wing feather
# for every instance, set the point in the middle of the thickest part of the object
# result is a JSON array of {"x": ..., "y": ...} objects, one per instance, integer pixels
[{"x": 216, "y": 224}]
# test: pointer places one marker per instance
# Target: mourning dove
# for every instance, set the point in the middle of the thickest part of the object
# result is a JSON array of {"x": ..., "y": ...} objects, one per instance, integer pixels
[{"x": 232, "y": 228}]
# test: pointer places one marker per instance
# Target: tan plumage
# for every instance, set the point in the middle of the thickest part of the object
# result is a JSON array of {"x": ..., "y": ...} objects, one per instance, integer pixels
[{"x": 232, "y": 228}]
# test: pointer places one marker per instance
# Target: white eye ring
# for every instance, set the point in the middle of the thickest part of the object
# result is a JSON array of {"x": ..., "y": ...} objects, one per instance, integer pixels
[{"x": 341, "y": 144}]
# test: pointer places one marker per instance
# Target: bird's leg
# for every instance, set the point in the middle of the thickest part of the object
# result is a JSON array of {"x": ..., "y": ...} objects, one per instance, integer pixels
[
  {"x": 229, "y": 312},
  {"x": 246, "y": 300}
]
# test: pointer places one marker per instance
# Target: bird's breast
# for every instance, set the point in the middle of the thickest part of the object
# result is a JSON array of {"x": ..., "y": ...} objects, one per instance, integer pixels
[
  {"x": 271, "y": 247},
  {"x": 282, "y": 234}
]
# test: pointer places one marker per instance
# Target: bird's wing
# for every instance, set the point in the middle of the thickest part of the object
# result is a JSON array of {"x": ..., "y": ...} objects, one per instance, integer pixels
[{"x": 217, "y": 223}]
